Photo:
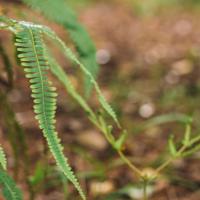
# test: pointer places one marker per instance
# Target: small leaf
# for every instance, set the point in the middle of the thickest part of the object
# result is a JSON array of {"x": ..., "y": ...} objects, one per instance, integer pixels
[
  {"x": 171, "y": 145},
  {"x": 186, "y": 140},
  {"x": 120, "y": 141},
  {"x": 39, "y": 174}
]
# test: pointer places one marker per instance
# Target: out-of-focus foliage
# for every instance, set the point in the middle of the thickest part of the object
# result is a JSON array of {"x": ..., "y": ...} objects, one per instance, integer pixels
[
  {"x": 3, "y": 161},
  {"x": 150, "y": 7},
  {"x": 10, "y": 190}
]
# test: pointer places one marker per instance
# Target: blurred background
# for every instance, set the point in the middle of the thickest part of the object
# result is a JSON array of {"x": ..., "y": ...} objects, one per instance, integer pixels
[{"x": 149, "y": 57}]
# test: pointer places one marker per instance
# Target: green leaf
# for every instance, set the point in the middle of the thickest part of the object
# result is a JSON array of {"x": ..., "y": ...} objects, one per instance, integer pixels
[
  {"x": 167, "y": 118},
  {"x": 39, "y": 174},
  {"x": 171, "y": 145},
  {"x": 121, "y": 140},
  {"x": 187, "y": 135}
]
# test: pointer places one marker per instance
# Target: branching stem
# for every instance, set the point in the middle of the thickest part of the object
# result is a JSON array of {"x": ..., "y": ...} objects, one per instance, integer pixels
[
  {"x": 135, "y": 169},
  {"x": 171, "y": 159}
]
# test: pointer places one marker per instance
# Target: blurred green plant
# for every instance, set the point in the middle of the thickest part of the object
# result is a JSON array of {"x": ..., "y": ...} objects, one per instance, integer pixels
[
  {"x": 9, "y": 189},
  {"x": 151, "y": 7}
]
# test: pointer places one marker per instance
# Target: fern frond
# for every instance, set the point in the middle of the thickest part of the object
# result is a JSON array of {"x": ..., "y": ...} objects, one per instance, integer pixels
[
  {"x": 3, "y": 160},
  {"x": 29, "y": 43},
  {"x": 70, "y": 55},
  {"x": 31, "y": 54},
  {"x": 10, "y": 190},
  {"x": 60, "y": 12}
]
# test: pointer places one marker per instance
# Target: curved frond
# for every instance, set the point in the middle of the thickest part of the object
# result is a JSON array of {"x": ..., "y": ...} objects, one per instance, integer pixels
[{"x": 31, "y": 54}]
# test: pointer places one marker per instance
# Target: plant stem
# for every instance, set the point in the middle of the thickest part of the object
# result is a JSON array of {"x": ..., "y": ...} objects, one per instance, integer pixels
[
  {"x": 171, "y": 159},
  {"x": 131, "y": 166},
  {"x": 145, "y": 183},
  {"x": 196, "y": 139},
  {"x": 121, "y": 154}
]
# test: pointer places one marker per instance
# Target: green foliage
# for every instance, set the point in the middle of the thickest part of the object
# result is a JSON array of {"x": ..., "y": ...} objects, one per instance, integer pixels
[
  {"x": 38, "y": 175},
  {"x": 3, "y": 161},
  {"x": 60, "y": 12},
  {"x": 121, "y": 140},
  {"x": 151, "y": 7},
  {"x": 31, "y": 54},
  {"x": 37, "y": 61},
  {"x": 10, "y": 190},
  {"x": 70, "y": 55},
  {"x": 172, "y": 147},
  {"x": 57, "y": 70},
  {"x": 35, "y": 57},
  {"x": 187, "y": 135}
]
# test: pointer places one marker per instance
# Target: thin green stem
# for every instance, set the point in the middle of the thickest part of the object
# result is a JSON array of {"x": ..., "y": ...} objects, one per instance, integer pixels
[
  {"x": 131, "y": 166},
  {"x": 171, "y": 159},
  {"x": 121, "y": 154},
  {"x": 194, "y": 140}
]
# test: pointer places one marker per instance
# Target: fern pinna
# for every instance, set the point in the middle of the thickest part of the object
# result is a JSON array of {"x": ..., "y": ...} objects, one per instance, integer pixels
[{"x": 31, "y": 54}]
